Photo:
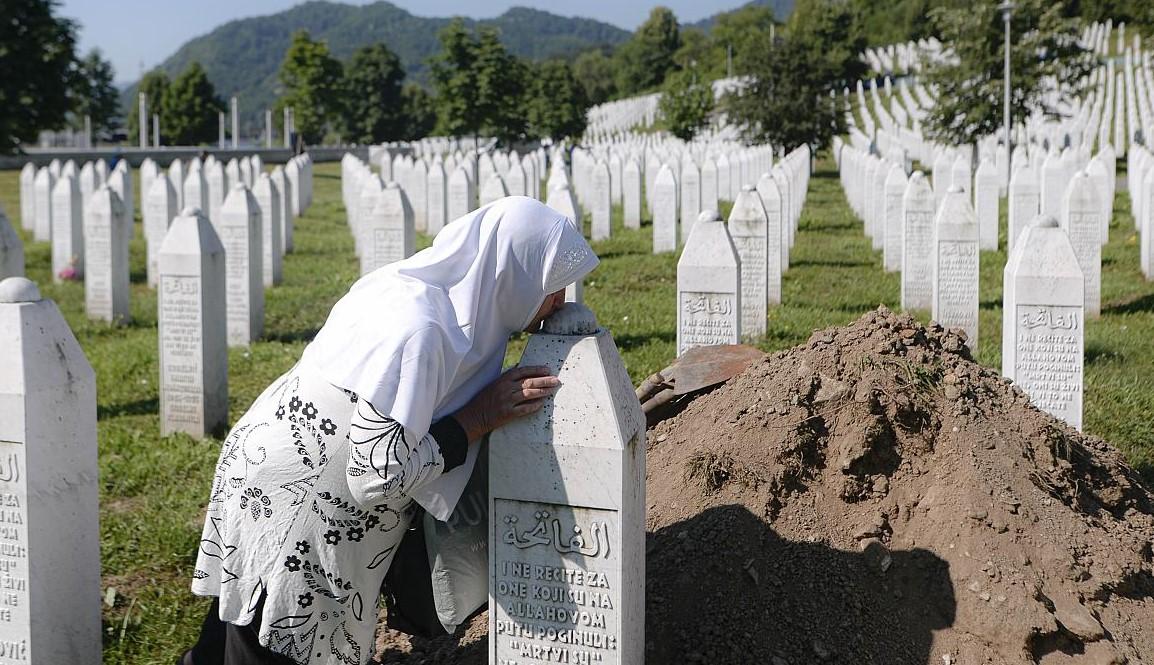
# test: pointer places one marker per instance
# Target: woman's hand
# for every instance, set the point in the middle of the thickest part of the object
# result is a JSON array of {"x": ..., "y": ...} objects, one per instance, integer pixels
[{"x": 516, "y": 393}]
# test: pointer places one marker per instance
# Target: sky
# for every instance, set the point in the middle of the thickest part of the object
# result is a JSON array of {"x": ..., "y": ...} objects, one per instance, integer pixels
[{"x": 136, "y": 35}]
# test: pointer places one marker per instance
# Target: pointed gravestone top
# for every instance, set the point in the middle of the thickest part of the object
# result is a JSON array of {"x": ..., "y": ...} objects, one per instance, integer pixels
[
  {"x": 191, "y": 211},
  {"x": 18, "y": 290},
  {"x": 572, "y": 318}
]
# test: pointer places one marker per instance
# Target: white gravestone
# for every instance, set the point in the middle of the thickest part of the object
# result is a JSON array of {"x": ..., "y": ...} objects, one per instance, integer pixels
[
  {"x": 67, "y": 230},
  {"x": 777, "y": 256},
  {"x": 438, "y": 208},
  {"x": 749, "y": 229},
  {"x": 196, "y": 194},
  {"x": 268, "y": 199},
  {"x": 159, "y": 211},
  {"x": 28, "y": 196},
  {"x": 631, "y": 194},
  {"x": 176, "y": 174},
  {"x": 366, "y": 199},
  {"x": 986, "y": 204},
  {"x": 665, "y": 211},
  {"x": 240, "y": 234},
  {"x": 493, "y": 189},
  {"x": 285, "y": 188},
  {"x": 709, "y": 196},
  {"x": 892, "y": 218},
  {"x": 1024, "y": 203},
  {"x": 708, "y": 287},
  {"x": 690, "y": 186},
  {"x": 192, "y": 327},
  {"x": 50, "y": 543},
  {"x": 292, "y": 172},
  {"x": 418, "y": 197},
  {"x": 11, "y": 249},
  {"x": 217, "y": 182},
  {"x": 106, "y": 258},
  {"x": 601, "y": 202},
  {"x": 563, "y": 201},
  {"x": 567, "y": 539},
  {"x": 1043, "y": 328},
  {"x": 120, "y": 180},
  {"x": 389, "y": 230},
  {"x": 1083, "y": 225},
  {"x": 955, "y": 255},
  {"x": 460, "y": 194},
  {"x": 42, "y": 231},
  {"x": 917, "y": 243},
  {"x": 1053, "y": 185}
]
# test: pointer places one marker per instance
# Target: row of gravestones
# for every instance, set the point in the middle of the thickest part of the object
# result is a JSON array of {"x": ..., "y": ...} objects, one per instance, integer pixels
[
  {"x": 1141, "y": 192},
  {"x": 729, "y": 273},
  {"x": 575, "y": 528},
  {"x": 1051, "y": 280}
]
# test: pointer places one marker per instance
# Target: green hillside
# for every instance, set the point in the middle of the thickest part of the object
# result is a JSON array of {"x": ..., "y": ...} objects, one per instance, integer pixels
[{"x": 242, "y": 57}]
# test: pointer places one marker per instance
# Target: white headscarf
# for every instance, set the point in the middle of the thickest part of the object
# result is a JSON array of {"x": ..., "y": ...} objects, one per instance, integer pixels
[{"x": 420, "y": 337}]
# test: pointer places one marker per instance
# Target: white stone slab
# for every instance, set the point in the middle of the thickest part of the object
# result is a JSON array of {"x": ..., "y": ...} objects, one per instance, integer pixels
[
  {"x": 159, "y": 211},
  {"x": 28, "y": 196},
  {"x": 690, "y": 187},
  {"x": 709, "y": 198},
  {"x": 192, "y": 327},
  {"x": 106, "y": 258},
  {"x": 285, "y": 188},
  {"x": 1023, "y": 202},
  {"x": 917, "y": 243},
  {"x": 50, "y": 543},
  {"x": 893, "y": 218},
  {"x": 67, "y": 230},
  {"x": 601, "y": 202},
  {"x": 986, "y": 204},
  {"x": 708, "y": 286},
  {"x": 749, "y": 230},
  {"x": 268, "y": 199},
  {"x": 43, "y": 186},
  {"x": 567, "y": 509},
  {"x": 438, "y": 195},
  {"x": 777, "y": 255},
  {"x": 389, "y": 231},
  {"x": 1083, "y": 225},
  {"x": 1043, "y": 328},
  {"x": 665, "y": 201},
  {"x": 240, "y": 233},
  {"x": 460, "y": 194},
  {"x": 631, "y": 194},
  {"x": 955, "y": 254},
  {"x": 493, "y": 189}
]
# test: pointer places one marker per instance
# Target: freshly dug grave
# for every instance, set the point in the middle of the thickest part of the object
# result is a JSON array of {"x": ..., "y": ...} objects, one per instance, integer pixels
[{"x": 874, "y": 496}]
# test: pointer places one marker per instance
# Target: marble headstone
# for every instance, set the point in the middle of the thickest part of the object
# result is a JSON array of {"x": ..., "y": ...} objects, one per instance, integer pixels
[
  {"x": 438, "y": 194},
  {"x": 11, "y": 249},
  {"x": 708, "y": 286},
  {"x": 106, "y": 258},
  {"x": 631, "y": 194},
  {"x": 192, "y": 327},
  {"x": 893, "y": 218},
  {"x": 749, "y": 230},
  {"x": 1083, "y": 224},
  {"x": 1043, "y": 327},
  {"x": 567, "y": 509},
  {"x": 268, "y": 199},
  {"x": 665, "y": 211},
  {"x": 600, "y": 199},
  {"x": 389, "y": 231},
  {"x": 917, "y": 243},
  {"x": 159, "y": 210},
  {"x": 777, "y": 256},
  {"x": 50, "y": 543},
  {"x": 955, "y": 255},
  {"x": 239, "y": 230},
  {"x": 42, "y": 189},
  {"x": 460, "y": 194},
  {"x": 986, "y": 204},
  {"x": 1023, "y": 201},
  {"x": 67, "y": 230}
]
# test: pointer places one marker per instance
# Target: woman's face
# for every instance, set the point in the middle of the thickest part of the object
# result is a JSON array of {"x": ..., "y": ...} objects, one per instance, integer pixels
[{"x": 552, "y": 302}]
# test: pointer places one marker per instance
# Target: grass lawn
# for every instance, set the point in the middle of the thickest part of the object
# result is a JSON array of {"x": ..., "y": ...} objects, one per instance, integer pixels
[{"x": 153, "y": 488}]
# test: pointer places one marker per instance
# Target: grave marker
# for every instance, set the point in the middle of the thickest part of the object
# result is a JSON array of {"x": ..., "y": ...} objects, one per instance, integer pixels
[
  {"x": 986, "y": 204},
  {"x": 460, "y": 193},
  {"x": 777, "y": 256},
  {"x": 438, "y": 208},
  {"x": 240, "y": 234},
  {"x": 1043, "y": 327},
  {"x": 268, "y": 200},
  {"x": 1024, "y": 202},
  {"x": 571, "y": 535},
  {"x": 893, "y": 218},
  {"x": 28, "y": 196},
  {"x": 631, "y": 194},
  {"x": 159, "y": 211},
  {"x": 749, "y": 230},
  {"x": 917, "y": 243},
  {"x": 50, "y": 545},
  {"x": 44, "y": 183},
  {"x": 708, "y": 287},
  {"x": 665, "y": 211},
  {"x": 955, "y": 254},
  {"x": 67, "y": 230},
  {"x": 11, "y": 249},
  {"x": 106, "y": 258},
  {"x": 192, "y": 327},
  {"x": 601, "y": 201},
  {"x": 1083, "y": 226},
  {"x": 389, "y": 230}
]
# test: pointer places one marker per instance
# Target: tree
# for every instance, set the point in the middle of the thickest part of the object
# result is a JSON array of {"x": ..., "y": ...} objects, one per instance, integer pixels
[
  {"x": 594, "y": 71},
  {"x": 1047, "y": 62},
  {"x": 191, "y": 108},
  {"x": 37, "y": 53},
  {"x": 686, "y": 103},
  {"x": 643, "y": 61},
  {"x": 557, "y": 104},
  {"x": 374, "y": 108},
  {"x": 311, "y": 78},
  {"x": 94, "y": 94},
  {"x": 455, "y": 81},
  {"x": 154, "y": 85},
  {"x": 418, "y": 112},
  {"x": 480, "y": 85},
  {"x": 739, "y": 31},
  {"x": 786, "y": 99}
]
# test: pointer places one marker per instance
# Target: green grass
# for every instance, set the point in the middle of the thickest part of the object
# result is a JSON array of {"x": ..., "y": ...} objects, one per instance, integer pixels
[{"x": 153, "y": 488}]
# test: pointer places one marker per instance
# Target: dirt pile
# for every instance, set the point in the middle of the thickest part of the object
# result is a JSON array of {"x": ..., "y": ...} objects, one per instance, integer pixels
[{"x": 874, "y": 496}]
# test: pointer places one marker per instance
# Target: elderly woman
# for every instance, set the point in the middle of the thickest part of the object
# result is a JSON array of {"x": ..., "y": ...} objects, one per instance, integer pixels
[{"x": 316, "y": 482}]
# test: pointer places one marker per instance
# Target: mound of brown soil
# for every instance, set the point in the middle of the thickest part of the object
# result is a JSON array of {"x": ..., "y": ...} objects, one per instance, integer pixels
[{"x": 874, "y": 496}]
